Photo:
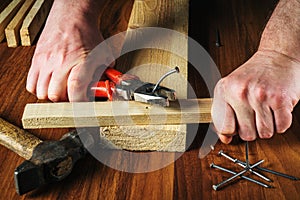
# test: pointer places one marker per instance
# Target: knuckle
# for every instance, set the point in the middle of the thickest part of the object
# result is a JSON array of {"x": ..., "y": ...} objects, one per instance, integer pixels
[
  {"x": 234, "y": 87},
  {"x": 260, "y": 93},
  {"x": 241, "y": 92},
  {"x": 280, "y": 98},
  {"x": 76, "y": 85},
  {"x": 279, "y": 101},
  {"x": 220, "y": 86}
]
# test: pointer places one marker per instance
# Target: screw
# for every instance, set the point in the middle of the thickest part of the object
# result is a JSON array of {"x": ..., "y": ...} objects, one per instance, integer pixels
[
  {"x": 242, "y": 164},
  {"x": 232, "y": 172}
]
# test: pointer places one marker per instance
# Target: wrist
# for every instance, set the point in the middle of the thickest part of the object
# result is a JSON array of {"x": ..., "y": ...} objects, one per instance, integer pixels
[
  {"x": 84, "y": 9},
  {"x": 282, "y": 32},
  {"x": 275, "y": 56}
]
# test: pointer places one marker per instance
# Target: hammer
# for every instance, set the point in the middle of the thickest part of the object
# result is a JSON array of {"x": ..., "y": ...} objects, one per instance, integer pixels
[{"x": 46, "y": 161}]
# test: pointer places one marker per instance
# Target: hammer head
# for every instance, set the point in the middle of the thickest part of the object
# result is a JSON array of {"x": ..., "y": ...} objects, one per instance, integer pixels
[{"x": 51, "y": 161}]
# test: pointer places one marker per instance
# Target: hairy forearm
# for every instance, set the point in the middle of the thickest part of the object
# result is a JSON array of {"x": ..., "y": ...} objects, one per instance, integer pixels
[{"x": 282, "y": 33}]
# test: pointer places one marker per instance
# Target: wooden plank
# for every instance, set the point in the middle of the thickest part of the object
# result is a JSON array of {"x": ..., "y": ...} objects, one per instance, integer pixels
[
  {"x": 114, "y": 113},
  {"x": 7, "y": 14},
  {"x": 12, "y": 31},
  {"x": 34, "y": 21},
  {"x": 150, "y": 64},
  {"x": 141, "y": 139}
]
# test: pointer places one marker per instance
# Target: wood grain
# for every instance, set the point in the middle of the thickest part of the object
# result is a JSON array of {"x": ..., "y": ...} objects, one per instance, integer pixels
[
  {"x": 151, "y": 63},
  {"x": 7, "y": 14},
  {"x": 12, "y": 31},
  {"x": 141, "y": 139},
  {"x": 17, "y": 140},
  {"x": 34, "y": 21},
  {"x": 240, "y": 24},
  {"x": 113, "y": 113}
]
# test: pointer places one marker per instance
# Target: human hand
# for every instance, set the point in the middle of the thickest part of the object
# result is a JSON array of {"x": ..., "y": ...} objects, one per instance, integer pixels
[
  {"x": 257, "y": 98},
  {"x": 59, "y": 71}
]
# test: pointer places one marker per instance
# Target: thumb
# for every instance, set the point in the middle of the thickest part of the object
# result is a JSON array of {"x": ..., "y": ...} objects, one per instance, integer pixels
[{"x": 82, "y": 75}]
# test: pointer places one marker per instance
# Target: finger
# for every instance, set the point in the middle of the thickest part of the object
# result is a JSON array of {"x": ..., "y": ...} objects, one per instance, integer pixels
[
  {"x": 57, "y": 90},
  {"x": 246, "y": 122},
  {"x": 264, "y": 121},
  {"x": 223, "y": 116},
  {"x": 42, "y": 85},
  {"x": 263, "y": 114},
  {"x": 283, "y": 119},
  {"x": 83, "y": 74},
  {"x": 78, "y": 82},
  {"x": 32, "y": 79},
  {"x": 225, "y": 138}
]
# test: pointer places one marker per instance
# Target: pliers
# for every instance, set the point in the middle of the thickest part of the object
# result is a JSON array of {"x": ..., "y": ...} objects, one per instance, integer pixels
[{"x": 129, "y": 87}]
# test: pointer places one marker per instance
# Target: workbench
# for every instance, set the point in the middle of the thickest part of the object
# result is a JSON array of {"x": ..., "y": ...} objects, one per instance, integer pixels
[{"x": 240, "y": 24}]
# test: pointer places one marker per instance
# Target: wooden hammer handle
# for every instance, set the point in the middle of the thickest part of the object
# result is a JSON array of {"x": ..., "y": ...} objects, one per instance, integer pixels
[{"x": 17, "y": 140}]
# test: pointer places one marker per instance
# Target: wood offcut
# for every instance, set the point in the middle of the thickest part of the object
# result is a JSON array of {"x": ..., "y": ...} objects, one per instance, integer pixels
[
  {"x": 12, "y": 31},
  {"x": 34, "y": 21},
  {"x": 115, "y": 113},
  {"x": 7, "y": 14}
]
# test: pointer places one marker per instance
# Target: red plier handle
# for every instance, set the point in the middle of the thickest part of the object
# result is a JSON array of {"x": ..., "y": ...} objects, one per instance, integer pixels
[{"x": 105, "y": 89}]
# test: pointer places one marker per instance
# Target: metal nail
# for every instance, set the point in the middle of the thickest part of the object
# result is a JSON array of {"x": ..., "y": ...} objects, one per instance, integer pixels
[
  {"x": 175, "y": 70},
  {"x": 242, "y": 176},
  {"x": 218, "y": 42},
  {"x": 272, "y": 172},
  {"x": 242, "y": 164},
  {"x": 247, "y": 152},
  {"x": 216, "y": 187},
  {"x": 278, "y": 173}
]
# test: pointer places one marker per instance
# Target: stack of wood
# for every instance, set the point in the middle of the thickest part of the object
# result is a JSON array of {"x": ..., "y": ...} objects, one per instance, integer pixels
[{"x": 21, "y": 21}]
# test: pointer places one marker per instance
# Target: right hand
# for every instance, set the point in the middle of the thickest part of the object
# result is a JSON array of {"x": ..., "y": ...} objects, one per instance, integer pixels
[{"x": 257, "y": 98}]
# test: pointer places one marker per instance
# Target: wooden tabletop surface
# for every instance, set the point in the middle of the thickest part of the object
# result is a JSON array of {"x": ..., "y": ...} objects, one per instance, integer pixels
[{"x": 240, "y": 24}]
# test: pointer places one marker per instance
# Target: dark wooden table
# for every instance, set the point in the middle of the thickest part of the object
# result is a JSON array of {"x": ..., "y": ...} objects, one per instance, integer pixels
[{"x": 240, "y": 24}]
